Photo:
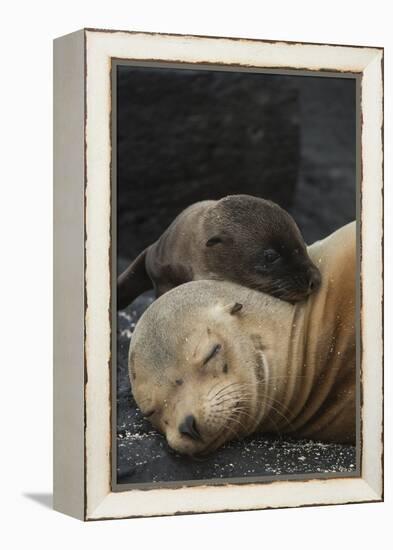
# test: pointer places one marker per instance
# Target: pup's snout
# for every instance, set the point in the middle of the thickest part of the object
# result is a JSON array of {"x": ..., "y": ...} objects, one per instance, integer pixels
[{"x": 314, "y": 281}]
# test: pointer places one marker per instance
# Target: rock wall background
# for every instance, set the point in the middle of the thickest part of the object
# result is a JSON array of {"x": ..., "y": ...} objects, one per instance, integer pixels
[{"x": 185, "y": 136}]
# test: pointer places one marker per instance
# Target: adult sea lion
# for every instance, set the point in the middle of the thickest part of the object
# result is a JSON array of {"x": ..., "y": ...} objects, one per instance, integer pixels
[
  {"x": 240, "y": 238},
  {"x": 211, "y": 360}
]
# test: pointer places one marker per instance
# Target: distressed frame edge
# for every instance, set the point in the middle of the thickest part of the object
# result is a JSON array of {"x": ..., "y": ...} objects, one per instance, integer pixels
[
  {"x": 375, "y": 493},
  {"x": 69, "y": 274},
  {"x": 235, "y": 38},
  {"x": 372, "y": 271}
]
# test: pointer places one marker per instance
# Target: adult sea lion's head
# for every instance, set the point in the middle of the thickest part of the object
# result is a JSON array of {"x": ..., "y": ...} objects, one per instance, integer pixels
[
  {"x": 196, "y": 371},
  {"x": 254, "y": 242}
]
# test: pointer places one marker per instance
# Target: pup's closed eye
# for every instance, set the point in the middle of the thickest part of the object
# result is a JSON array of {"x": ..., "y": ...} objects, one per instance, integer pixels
[{"x": 270, "y": 256}]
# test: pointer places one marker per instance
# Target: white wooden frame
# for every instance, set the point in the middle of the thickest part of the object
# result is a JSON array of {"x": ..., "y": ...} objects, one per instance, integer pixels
[{"x": 82, "y": 337}]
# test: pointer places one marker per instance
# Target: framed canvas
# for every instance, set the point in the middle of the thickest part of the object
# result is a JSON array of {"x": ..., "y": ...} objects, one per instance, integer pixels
[{"x": 218, "y": 274}]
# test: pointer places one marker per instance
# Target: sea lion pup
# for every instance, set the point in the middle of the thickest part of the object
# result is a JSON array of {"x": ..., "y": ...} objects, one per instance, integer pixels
[
  {"x": 240, "y": 238},
  {"x": 211, "y": 360}
]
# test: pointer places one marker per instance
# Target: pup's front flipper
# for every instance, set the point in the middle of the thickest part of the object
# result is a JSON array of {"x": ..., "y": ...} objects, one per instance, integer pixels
[{"x": 133, "y": 281}]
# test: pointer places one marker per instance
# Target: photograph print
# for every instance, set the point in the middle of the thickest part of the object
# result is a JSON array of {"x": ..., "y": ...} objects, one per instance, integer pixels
[{"x": 235, "y": 267}]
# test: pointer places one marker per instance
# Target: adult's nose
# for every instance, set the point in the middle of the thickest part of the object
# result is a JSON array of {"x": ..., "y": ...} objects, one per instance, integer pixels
[{"x": 188, "y": 427}]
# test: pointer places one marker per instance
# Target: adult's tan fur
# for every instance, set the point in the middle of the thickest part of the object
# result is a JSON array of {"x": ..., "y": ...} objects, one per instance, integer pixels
[{"x": 212, "y": 360}]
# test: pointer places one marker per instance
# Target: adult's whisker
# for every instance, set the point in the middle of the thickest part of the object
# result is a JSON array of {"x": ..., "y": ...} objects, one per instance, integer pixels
[
  {"x": 231, "y": 396},
  {"x": 225, "y": 388}
]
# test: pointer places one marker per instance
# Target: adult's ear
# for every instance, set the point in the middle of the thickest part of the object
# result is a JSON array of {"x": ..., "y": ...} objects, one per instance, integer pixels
[
  {"x": 133, "y": 281},
  {"x": 236, "y": 308},
  {"x": 233, "y": 308}
]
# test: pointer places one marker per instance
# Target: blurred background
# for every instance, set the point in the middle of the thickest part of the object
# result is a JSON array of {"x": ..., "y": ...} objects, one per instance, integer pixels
[{"x": 189, "y": 135}]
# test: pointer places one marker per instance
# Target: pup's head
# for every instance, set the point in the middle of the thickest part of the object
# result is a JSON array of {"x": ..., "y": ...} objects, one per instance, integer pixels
[{"x": 254, "y": 242}]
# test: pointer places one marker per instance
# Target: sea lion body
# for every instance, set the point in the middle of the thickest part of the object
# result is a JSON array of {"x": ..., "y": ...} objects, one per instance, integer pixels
[
  {"x": 168, "y": 261},
  {"x": 240, "y": 238},
  {"x": 212, "y": 360}
]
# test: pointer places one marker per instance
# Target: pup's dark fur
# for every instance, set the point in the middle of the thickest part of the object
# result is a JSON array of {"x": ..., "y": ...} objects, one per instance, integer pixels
[{"x": 240, "y": 238}]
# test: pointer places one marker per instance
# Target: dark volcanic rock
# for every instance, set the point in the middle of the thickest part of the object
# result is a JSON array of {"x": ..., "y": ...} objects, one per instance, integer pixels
[
  {"x": 325, "y": 196},
  {"x": 186, "y": 136}
]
